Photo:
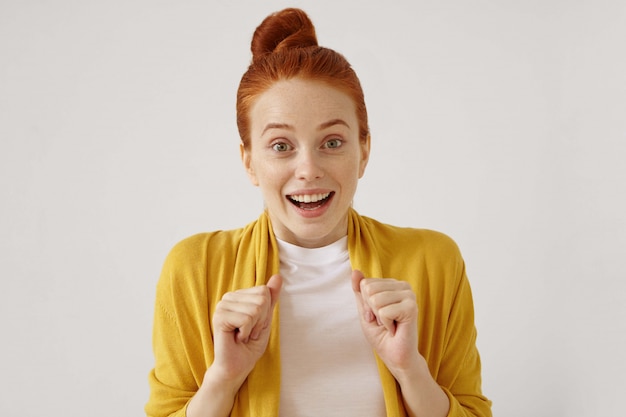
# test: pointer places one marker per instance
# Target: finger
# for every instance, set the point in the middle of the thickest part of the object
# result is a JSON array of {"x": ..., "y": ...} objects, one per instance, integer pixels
[
  {"x": 379, "y": 294},
  {"x": 394, "y": 302},
  {"x": 244, "y": 312},
  {"x": 385, "y": 319},
  {"x": 399, "y": 312},
  {"x": 377, "y": 285},
  {"x": 237, "y": 317}
]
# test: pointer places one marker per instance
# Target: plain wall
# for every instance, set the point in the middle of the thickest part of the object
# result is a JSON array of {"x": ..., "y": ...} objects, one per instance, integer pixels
[{"x": 500, "y": 123}]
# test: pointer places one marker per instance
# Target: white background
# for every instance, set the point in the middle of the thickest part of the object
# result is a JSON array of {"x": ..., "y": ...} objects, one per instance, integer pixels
[{"x": 500, "y": 123}]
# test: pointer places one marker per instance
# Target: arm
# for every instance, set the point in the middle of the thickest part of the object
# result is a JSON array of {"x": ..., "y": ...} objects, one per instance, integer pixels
[
  {"x": 242, "y": 325},
  {"x": 389, "y": 320},
  {"x": 180, "y": 383},
  {"x": 421, "y": 394}
]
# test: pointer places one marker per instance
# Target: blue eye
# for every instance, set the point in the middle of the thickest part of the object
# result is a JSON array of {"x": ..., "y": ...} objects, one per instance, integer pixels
[
  {"x": 334, "y": 143},
  {"x": 281, "y": 147}
]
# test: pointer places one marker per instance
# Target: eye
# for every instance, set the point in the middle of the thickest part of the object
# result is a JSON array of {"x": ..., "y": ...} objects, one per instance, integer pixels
[
  {"x": 281, "y": 147},
  {"x": 333, "y": 143}
]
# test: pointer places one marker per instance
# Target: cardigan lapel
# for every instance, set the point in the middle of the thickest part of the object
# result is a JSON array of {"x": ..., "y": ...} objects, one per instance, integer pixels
[
  {"x": 365, "y": 256},
  {"x": 257, "y": 257}
]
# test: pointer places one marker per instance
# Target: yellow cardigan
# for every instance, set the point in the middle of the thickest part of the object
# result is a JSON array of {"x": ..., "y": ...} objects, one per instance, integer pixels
[{"x": 200, "y": 269}]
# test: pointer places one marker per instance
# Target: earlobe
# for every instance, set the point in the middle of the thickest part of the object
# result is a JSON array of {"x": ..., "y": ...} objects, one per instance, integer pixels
[{"x": 247, "y": 164}]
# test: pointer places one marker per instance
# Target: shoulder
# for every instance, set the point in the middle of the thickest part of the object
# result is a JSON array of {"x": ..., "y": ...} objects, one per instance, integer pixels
[
  {"x": 188, "y": 261},
  {"x": 429, "y": 259},
  {"x": 410, "y": 239},
  {"x": 197, "y": 246},
  {"x": 200, "y": 246}
]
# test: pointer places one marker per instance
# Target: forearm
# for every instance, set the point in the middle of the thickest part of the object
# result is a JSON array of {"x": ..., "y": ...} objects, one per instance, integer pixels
[
  {"x": 422, "y": 395},
  {"x": 214, "y": 398}
]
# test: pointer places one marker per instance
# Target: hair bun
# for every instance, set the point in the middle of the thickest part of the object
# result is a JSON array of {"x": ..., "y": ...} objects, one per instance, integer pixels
[{"x": 289, "y": 28}]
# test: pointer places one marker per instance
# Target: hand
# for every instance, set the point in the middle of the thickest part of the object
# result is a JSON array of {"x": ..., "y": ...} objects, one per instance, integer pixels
[
  {"x": 388, "y": 312},
  {"x": 241, "y": 324}
]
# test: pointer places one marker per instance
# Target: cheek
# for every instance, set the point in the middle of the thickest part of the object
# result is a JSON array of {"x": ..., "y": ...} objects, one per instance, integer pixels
[
  {"x": 270, "y": 176},
  {"x": 354, "y": 170}
]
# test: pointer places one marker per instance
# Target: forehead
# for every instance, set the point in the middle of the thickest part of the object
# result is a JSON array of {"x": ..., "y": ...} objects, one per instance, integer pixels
[{"x": 298, "y": 101}]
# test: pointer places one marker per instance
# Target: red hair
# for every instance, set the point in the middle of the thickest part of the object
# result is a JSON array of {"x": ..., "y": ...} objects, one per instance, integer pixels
[{"x": 284, "y": 46}]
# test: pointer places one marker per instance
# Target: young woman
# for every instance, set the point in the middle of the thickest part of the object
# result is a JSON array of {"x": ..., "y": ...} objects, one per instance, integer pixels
[{"x": 312, "y": 309}]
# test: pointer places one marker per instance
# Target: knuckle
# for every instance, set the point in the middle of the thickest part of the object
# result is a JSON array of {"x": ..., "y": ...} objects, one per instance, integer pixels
[
  {"x": 256, "y": 310},
  {"x": 220, "y": 306},
  {"x": 377, "y": 301},
  {"x": 410, "y": 294},
  {"x": 229, "y": 296}
]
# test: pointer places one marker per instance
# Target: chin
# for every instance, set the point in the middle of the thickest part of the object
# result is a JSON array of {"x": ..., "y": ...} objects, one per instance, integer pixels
[{"x": 314, "y": 236}]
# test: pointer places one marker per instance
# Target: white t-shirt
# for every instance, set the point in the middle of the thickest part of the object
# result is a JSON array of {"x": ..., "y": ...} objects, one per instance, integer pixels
[{"x": 327, "y": 366}]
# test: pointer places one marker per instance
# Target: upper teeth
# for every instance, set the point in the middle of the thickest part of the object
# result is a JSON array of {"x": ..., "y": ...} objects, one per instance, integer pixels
[{"x": 309, "y": 198}]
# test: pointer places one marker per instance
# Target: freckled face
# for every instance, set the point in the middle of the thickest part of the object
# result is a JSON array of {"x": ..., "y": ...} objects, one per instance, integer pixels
[{"x": 306, "y": 157}]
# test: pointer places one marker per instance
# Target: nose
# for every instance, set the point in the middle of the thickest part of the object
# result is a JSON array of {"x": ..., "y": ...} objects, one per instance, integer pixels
[{"x": 308, "y": 166}]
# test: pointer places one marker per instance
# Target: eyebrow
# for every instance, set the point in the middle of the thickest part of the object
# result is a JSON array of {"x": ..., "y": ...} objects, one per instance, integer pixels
[
  {"x": 323, "y": 126},
  {"x": 276, "y": 126},
  {"x": 333, "y": 122}
]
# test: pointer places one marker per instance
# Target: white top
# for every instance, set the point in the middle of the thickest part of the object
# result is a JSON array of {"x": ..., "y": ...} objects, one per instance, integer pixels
[{"x": 328, "y": 368}]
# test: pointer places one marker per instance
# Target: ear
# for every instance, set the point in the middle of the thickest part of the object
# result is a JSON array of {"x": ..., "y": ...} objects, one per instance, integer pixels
[
  {"x": 365, "y": 155},
  {"x": 246, "y": 159}
]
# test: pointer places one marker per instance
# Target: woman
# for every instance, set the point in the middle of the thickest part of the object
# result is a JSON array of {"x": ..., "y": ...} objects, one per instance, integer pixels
[{"x": 312, "y": 309}]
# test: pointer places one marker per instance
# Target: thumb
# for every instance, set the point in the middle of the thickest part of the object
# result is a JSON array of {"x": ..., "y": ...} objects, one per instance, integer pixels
[
  {"x": 274, "y": 284},
  {"x": 364, "y": 310}
]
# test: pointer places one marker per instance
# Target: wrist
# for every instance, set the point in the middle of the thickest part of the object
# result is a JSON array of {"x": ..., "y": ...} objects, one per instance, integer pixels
[
  {"x": 215, "y": 396},
  {"x": 416, "y": 371},
  {"x": 421, "y": 393},
  {"x": 217, "y": 381}
]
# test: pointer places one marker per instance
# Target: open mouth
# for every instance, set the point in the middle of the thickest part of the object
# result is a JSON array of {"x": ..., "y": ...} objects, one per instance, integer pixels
[{"x": 310, "y": 201}]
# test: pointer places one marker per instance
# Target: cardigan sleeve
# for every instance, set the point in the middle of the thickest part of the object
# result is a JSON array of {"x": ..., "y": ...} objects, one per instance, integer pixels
[
  {"x": 170, "y": 390},
  {"x": 432, "y": 263},
  {"x": 460, "y": 372},
  {"x": 179, "y": 360}
]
